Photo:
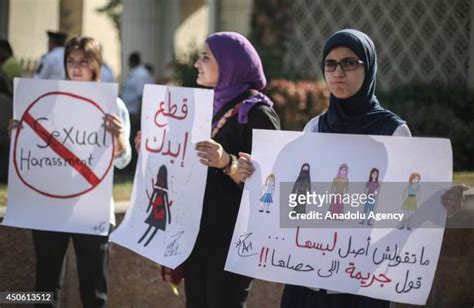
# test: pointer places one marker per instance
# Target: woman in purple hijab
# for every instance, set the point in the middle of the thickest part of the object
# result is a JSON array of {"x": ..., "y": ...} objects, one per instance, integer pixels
[{"x": 232, "y": 67}]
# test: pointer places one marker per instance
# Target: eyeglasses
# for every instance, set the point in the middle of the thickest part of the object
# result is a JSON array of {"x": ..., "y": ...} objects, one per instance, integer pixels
[
  {"x": 347, "y": 65},
  {"x": 81, "y": 64}
]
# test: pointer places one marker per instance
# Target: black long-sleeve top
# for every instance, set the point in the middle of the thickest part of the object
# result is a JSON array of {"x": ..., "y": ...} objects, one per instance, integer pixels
[{"x": 222, "y": 195}]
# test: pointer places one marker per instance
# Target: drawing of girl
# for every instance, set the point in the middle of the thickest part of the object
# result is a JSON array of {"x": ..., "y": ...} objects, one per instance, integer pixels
[
  {"x": 411, "y": 194},
  {"x": 159, "y": 204},
  {"x": 302, "y": 186},
  {"x": 267, "y": 197},
  {"x": 371, "y": 188},
  {"x": 340, "y": 186}
]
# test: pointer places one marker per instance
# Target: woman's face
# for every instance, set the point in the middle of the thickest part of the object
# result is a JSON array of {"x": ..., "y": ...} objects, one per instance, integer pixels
[
  {"x": 343, "y": 171},
  {"x": 344, "y": 84},
  {"x": 375, "y": 174},
  {"x": 208, "y": 70},
  {"x": 78, "y": 68},
  {"x": 416, "y": 179}
]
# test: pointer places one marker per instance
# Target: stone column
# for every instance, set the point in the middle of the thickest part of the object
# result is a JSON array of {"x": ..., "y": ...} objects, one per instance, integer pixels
[
  {"x": 139, "y": 25},
  {"x": 148, "y": 26},
  {"x": 234, "y": 15},
  {"x": 213, "y": 9},
  {"x": 170, "y": 16}
]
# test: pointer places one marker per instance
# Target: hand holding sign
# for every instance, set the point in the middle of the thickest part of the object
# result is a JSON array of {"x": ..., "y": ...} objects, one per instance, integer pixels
[
  {"x": 114, "y": 125},
  {"x": 12, "y": 125},
  {"x": 212, "y": 154},
  {"x": 61, "y": 158}
]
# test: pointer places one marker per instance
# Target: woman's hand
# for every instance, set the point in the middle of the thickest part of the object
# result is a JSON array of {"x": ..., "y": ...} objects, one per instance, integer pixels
[
  {"x": 114, "y": 125},
  {"x": 453, "y": 199},
  {"x": 212, "y": 154},
  {"x": 13, "y": 124},
  {"x": 138, "y": 141},
  {"x": 245, "y": 167}
]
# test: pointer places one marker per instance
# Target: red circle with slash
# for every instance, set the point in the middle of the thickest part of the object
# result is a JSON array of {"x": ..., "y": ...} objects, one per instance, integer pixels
[{"x": 61, "y": 150}]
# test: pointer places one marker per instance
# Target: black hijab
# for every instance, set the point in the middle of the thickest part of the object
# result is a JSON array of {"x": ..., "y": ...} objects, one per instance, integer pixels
[{"x": 360, "y": 113}]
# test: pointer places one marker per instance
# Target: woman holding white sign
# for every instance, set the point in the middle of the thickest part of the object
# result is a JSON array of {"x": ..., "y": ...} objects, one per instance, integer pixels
[
  {"x": 82, "y": 62},
  {"x": 349, "y": 66},
  {"x": 231, "y": 65}
]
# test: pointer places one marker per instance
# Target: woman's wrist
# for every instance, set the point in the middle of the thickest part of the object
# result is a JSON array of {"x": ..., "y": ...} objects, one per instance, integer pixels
[
  {"x": 227, "y": 159},
  {"x": 232, "y": 165}
]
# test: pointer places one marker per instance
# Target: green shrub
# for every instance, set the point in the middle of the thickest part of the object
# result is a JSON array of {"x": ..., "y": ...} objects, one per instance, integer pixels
[
  {"x": 184, "y": 72},
  {"x": 296, "y": 102},
  {"x": 437, "y": 111}
]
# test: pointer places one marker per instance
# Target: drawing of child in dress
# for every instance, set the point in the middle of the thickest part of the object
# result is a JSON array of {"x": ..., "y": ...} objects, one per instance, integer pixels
[
  {"x": 267, "y": 198},
  {"x": 159, "y": 205},
  {"x": 411, "y": 194},
  {"x": 371, "y": 188},
  {"x": 340, "y": 186}
]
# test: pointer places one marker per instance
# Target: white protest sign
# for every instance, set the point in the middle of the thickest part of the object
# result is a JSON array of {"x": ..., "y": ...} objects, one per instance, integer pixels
[
  {"x": 164, "y": 218},
  {"x": 61, "y": 160},
  {"x": 348, "y": 213}
]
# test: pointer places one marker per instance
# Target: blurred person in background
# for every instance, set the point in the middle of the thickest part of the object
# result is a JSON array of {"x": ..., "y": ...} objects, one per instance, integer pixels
[
  {"x": 106, "y": 73},
  {"x": 51, "y": 64},
  {"x": 10, "y": 66},
  {"x": 132, "y": 92}
]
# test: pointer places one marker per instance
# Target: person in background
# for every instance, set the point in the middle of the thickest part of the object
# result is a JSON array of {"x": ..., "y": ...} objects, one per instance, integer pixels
[
  {"x": 10, "y": 66},
  {"x": 82, "y": 62},
  {"x": 51, "y": 64},
  {"x": 106, "y": 73},
  {"x": 132, "y": 91}
]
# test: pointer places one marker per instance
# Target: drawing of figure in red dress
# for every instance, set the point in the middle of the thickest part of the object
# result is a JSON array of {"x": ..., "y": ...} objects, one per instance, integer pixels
[{"x": 159, "y": 205}]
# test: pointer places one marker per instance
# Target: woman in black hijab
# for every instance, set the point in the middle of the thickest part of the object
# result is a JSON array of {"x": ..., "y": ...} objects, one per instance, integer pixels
[
  {"x": 349, "y": 66},
  {"x": 302, "y": 186}
]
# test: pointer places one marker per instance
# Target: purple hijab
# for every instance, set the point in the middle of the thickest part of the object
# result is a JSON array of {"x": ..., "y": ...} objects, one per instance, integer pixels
[{"x": 240, "y": 69}]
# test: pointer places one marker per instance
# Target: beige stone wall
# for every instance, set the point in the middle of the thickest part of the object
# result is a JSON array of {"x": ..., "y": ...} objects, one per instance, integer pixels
[
  {"x": 30, "y": 19},
  {"x": 28, "y": 22},
  {"x": 100, "y": 27}
]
